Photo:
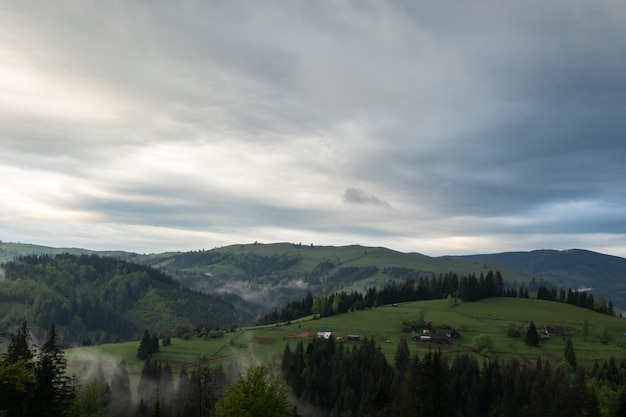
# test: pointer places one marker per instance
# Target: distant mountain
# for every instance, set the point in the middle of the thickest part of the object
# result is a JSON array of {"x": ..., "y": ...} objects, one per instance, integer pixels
[
  {"x": 604, "y": 274},
  {"x": 256, "y": 278}
]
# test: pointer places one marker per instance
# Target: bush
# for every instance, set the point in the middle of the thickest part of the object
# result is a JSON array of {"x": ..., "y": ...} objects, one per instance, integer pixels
[
  {"x": 513, "y": 330},
  {"x": 482, "y": 343}
]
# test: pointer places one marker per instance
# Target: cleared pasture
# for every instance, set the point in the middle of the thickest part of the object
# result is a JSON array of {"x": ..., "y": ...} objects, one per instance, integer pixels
[{"x": 491, "y": 317}]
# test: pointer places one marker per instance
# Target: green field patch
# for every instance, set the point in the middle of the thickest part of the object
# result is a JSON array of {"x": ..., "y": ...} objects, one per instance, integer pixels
[{"x": 266, "y": 344}]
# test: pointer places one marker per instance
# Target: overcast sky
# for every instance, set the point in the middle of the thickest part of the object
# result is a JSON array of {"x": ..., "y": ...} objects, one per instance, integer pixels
[{"x": 435, "y": 127}]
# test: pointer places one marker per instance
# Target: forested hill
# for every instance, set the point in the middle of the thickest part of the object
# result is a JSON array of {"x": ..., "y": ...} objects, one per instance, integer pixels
[
  {"x": 99, "y": 299},
  {"x": 259, "y": 277},
  {"x": 604, "y": 274}
]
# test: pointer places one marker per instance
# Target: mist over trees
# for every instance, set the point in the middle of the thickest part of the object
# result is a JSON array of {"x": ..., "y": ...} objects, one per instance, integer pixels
[{"x": 318, "y": 377}]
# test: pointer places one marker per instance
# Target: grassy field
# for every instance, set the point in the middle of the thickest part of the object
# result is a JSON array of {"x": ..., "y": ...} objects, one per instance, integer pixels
[{"x": 383, "y": 324}]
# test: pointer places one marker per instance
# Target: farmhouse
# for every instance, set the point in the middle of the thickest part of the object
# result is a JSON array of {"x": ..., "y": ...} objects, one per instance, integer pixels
[
  {"x": 551, "y": 330},
  {"x": 431, "y": 336},
  {"x": 324, "y": 333}
]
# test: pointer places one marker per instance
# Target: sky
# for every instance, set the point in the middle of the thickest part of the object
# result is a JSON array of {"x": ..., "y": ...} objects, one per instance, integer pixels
[{"x": 443, "y": 128}]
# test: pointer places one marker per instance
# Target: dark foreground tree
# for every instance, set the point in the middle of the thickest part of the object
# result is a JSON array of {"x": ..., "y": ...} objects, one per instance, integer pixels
[
  {"x": 53, "y": 389},
  {"x": 120, "y": 392},
  {"x": 532, "y": 338},
  {"x": 256, "y": 394},
  {"x": 21, "y": 347}
]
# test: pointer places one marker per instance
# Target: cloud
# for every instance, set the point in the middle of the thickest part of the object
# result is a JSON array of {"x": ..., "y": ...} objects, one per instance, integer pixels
[
  {"x": 355, "y": 196},
  {"x": 148, "y": 126}
]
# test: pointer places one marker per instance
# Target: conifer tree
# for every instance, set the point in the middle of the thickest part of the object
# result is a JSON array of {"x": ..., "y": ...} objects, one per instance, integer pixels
[
  {"x": 148, "y": 345},
  {"x": 21, "y": 347},
  {"x": 402, "y": 356},
  {"x": 570, "y": 355},
  {"x": 120, "y": 392},
  {"x": 53, "y": 389},
  {"x": 182, "y": 390},
  {"x": 532, "y": 338}
]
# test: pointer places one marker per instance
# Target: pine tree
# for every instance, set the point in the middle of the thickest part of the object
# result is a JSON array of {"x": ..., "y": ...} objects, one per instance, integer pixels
[
  {"x": 53, "y": 389},
  {"x": 570, "y": 355},
  {"x": 402, "y": 356},
  {"x": 145, "y": 346},
  {"x": 532, "y": 338},
  {"x": 167, "y": 390},
  {"x": 21, "y": 347},
  {"x": 120, "y": 392}
]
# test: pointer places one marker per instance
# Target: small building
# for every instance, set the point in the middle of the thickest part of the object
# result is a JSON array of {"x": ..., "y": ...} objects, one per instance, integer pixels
[
  {"x": 551, "y": 330},
  {"x": 453, "y": 334},
  {"x": 353, "y": 337},
  {"x": 324, "y": 333}
]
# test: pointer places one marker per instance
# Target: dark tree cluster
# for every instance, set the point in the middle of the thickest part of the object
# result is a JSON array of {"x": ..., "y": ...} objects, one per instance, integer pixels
[
  {"x": 33, "y": 381},
  {"x": 468, "y": 288},
  {"x": 576, "y": 298},
  {"x": 148, "y": 345},
  {"x": 358, "y": 381}
]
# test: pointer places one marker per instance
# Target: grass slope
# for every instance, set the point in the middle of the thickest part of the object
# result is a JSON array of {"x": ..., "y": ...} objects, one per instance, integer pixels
[{"x": 492, "y": 317}]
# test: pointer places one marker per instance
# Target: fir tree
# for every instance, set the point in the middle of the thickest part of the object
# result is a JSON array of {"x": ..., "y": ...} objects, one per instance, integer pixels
[
  {"x": 570, "y": 355},
  {"x": 532, "y": 338},
  {"x": 53, "y": 389},
  {"x": 120, "y": 392},
  {"x": 402, "y": 356},
  {"x": 21, "y": 347}
]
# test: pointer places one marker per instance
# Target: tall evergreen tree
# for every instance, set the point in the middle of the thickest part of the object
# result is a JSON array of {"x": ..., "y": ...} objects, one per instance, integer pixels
[
  {"x": 53, "y": 389},
  {"x": 570, "y": 355},
  {"x": 120, "y": 392},
  {"x": 167, "y": 391},
  {"x": 21, "y": 347},
  {"x": 402, "y": 356},
  {"x": 532, "y": 338},
  {"x": 148, "y": 345}
]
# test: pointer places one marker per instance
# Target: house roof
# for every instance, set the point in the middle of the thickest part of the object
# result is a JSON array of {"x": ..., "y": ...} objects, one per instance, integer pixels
[{"x": 555, "y": 330}]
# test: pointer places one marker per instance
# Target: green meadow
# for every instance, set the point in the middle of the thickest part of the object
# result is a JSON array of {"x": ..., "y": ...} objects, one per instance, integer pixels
[{"x": 490, "y": 317}]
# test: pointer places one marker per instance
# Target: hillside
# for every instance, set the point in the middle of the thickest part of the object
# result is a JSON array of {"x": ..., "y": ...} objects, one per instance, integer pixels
[
  {"x": 10, "y": 250},
  {"x": 102, "y": 299},
  {"x": 258, "y": 277},
  {"x": 575, "y": 268},
  {"x": 491, "y": 317}
]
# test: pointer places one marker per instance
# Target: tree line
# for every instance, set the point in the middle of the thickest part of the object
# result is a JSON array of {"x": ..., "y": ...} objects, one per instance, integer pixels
[
  {"x": 465, "y": 288},
  {"x": 340, "y": 379},
  {"x": 325, "y": 378},
  {"x": 34, "y": 383}
]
